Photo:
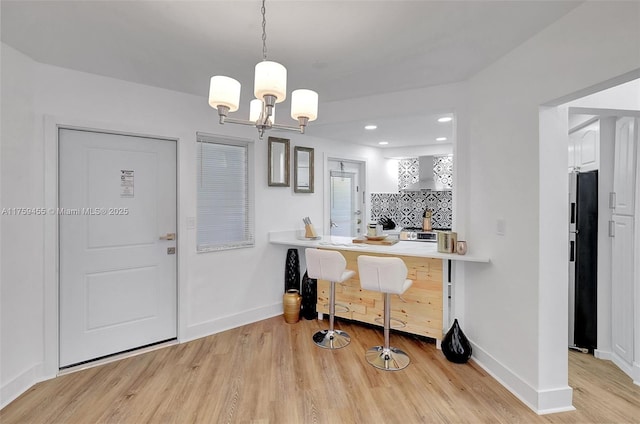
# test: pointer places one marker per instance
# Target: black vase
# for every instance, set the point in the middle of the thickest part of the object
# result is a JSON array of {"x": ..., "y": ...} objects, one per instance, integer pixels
[
  {"x": 292, "y": 271},
  {"x": 455, "y": 345},
  {"x": 309, "y": 296}
]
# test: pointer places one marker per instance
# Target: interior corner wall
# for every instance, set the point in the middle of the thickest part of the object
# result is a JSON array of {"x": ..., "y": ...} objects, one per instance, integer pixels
[
  {"x": 512, "y": 313},
  {"x": 21, "y": 314}
]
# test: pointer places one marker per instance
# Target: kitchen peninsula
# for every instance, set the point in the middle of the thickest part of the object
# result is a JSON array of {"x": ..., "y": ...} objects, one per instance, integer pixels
[{"x": 423, "y": 309}]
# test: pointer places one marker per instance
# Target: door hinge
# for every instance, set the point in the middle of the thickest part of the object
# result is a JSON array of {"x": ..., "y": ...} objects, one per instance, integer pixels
[
  {"x": 612, "y": 200},
  {"x": 612, "y": 229}
]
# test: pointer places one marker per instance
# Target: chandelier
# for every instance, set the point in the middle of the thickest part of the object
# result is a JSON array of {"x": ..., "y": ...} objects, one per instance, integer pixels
[{"x": 270, "y": 87}]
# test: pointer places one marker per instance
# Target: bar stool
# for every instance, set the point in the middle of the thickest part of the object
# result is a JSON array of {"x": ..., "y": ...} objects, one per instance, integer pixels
[
  {"x": 389, "y": 276},
  {"x": 329, "y": 265}
]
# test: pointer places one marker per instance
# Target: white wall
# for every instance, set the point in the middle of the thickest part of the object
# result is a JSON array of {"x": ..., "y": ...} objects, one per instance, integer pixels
[
  {"x": 21, "y": 291},
  {"x": 624, "y": 96},
  {"x": 516, "y": 313},
  {"x": 217, "y": 290}
]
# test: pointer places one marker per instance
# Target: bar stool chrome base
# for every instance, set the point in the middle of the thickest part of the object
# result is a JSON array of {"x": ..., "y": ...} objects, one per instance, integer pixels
[
  {"x": 331, "y": 339},
  {"x": 392, "y": 359}
]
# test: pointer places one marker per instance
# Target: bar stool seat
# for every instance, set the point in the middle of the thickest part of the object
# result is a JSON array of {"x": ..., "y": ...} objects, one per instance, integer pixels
[
  {"x": 387, "y": 275},
  {"x": 329, "y": 265}
]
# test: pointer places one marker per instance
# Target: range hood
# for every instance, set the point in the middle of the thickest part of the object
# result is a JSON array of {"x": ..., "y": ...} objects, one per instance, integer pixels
[{"x": 426, "y": 180}]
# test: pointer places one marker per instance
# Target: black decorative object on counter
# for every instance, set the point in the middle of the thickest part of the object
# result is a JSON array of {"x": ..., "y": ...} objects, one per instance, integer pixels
[
  {"x": 455, "y": 345},
  {"x": 309, "y": 296},
  {"x": 292, "y": 271},
  {"x": 387, "y": 223}
]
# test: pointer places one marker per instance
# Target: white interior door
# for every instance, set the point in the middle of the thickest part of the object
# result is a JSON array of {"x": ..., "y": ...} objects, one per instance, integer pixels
[{"x": 117, "y": 198}]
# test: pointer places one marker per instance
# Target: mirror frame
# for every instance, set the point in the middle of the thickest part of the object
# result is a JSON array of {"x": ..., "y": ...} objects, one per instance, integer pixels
[
  {"x": 271, "y": 156},
  {"x": 296, "y": 151}
]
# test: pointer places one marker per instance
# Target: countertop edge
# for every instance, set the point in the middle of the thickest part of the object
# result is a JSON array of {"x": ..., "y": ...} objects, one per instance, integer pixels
[{"x": 289, "y": 238}]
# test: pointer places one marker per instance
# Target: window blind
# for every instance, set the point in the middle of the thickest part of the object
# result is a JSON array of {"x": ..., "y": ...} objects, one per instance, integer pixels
[{"x": 225, "y": 213}]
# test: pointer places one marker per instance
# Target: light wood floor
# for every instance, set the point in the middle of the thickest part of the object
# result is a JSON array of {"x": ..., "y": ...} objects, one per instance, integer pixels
[{"x": 271, "y": 372}]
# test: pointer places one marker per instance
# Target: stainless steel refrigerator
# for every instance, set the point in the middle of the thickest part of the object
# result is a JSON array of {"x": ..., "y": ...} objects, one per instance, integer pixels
[{"x": 583, "y": 259}]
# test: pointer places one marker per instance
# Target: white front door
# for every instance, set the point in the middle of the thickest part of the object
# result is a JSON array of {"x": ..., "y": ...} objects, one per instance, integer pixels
[{"x": 117, "y": 198}]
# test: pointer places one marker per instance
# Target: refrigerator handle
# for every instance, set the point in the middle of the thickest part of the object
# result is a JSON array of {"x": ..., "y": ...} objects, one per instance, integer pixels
[
  {"x": 572, "y": 247},
  {"x": 612, "y": 229},
  {"x": 572, "y": 218},
  {"x": 612, "y": 200}
]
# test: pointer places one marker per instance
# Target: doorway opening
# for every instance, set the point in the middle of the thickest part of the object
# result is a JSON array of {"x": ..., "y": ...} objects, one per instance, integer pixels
[
  {"x": 576, "y": 114},
  {"x": 346, "y": 197}
]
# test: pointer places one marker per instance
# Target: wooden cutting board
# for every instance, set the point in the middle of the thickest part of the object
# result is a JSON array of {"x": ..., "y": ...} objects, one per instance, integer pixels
[{"x": 383, "y": 242}]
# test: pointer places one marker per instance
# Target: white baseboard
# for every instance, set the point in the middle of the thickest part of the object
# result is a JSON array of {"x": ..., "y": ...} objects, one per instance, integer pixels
[
  {"x": 636, "y": 373},
  {"x": 602, "y": 354},
  {"x": 626, "y": 367},
  {"x": 540, "y": 401},
  {"x": 230, "y": 321},
  {"x": 20, "y": 384}
]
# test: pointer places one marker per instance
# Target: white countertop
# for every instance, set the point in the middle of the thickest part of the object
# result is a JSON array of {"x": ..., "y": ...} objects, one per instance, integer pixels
[{"x": 402, "y": 248}]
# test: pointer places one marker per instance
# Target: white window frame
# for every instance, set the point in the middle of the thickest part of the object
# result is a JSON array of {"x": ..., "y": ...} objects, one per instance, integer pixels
[{"x": 203, "y": 246}]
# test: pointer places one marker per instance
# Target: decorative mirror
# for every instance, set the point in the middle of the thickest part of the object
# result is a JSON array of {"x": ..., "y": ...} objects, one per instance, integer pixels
[
  {"x": 303, "y": 169},
  {"x": 278, "y": 162}
]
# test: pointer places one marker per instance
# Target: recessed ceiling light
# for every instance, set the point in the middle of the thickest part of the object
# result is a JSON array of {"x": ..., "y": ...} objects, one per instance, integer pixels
[
  {"x": 370, "y": 127},
  {"x": 441, "y": 139},
  {"x": 383, "y": 143},
  {"x": 445, "y": 119}
]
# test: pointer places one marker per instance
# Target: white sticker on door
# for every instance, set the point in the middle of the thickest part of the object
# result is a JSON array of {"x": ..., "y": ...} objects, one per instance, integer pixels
[{"x": 126, "y": 183}]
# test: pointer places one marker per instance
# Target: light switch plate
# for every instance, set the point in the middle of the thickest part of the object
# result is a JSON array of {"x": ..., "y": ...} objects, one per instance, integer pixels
[
  {"x": 501, "y": 226},
  {"x": 191, "y": 222}
]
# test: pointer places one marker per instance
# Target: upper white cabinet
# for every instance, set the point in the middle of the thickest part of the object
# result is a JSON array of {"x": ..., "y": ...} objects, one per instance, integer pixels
[
  {"x": 624, "y": 168},
  {"x": 584, "y": 147}
]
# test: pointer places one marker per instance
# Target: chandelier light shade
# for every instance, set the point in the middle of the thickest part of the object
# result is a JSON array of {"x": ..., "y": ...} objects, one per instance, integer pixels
[
  {"x": 255, "y": 110},
  {"x": 270, "y": 80},
  {"x": 270, "y": 87},
  {"x": 224, "y": 91},
  {"x": 304, "y": 104}
]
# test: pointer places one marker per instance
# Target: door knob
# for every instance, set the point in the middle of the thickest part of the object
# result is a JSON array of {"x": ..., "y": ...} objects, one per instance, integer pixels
[{"x": 168, "y": 236}]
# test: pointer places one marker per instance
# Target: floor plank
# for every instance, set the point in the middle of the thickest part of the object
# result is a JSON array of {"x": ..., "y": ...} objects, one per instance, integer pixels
[{"x": 271, "y": 372}]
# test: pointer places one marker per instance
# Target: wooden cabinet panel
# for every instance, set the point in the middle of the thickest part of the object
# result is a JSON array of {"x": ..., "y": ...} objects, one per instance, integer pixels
[{"x": 420, "y": 307}]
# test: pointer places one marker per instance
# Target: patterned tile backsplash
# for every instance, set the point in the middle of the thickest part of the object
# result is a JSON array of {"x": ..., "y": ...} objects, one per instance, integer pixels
[{"x": 406, "y": 208}]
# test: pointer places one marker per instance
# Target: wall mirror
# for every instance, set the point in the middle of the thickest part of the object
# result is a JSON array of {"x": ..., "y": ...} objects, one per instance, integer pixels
[
  {"x": 303, "y": 169},
  {"x": 278, "y": 155}
]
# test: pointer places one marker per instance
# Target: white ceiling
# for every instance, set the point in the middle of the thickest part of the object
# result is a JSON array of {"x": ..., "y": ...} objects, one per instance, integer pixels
[{"x": 342, "y": 49}]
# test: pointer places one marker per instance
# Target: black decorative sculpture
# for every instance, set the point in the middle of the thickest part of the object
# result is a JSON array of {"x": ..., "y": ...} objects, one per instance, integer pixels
[
  {"x": 309, "y": 296},
  {"x": 292, "y": 271},
  {"x": 455, "y": 345}
]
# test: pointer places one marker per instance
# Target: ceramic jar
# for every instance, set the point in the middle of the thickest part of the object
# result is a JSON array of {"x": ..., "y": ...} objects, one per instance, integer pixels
[{"x": 291, "y": 305}]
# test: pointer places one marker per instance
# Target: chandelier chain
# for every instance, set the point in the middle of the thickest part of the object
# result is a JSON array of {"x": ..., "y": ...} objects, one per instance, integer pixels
[{"x": 264, "y": 31}]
